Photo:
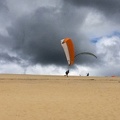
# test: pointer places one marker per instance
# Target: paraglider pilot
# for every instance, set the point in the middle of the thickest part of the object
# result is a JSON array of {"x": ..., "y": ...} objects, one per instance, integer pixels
[
  {"x": 67, "y": 72},
  {"x": 87, "y": 74}
]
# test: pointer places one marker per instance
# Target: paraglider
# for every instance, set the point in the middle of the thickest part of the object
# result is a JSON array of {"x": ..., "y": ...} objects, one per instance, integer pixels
[{"x": 68, "y": 48}]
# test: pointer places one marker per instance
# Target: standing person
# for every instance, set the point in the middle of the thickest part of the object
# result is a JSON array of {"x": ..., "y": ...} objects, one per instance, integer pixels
[
  {"x": 67, "y": 72},
  {"x": 87, "y": 74}
]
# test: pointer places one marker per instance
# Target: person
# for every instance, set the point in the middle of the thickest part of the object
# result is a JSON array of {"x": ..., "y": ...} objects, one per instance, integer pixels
[
  {"x": 67, "y": 72},
  {"x": 87, "y": 74}
]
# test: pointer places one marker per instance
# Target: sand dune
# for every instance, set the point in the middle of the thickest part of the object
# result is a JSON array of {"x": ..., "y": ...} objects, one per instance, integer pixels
[{"x": 40, "y": 97}]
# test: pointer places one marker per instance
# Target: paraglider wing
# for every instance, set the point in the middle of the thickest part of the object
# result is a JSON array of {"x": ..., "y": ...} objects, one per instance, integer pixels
[
  {"x": 68, "y": 48},
  {"x": 88, "y": 53}
]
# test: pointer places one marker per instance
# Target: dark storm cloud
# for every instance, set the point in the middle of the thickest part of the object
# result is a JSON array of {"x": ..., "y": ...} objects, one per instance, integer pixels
[
  {"x": 6, "y": 58},
  {"x": 3, "y": 6},
  {"x": 36, "y": 37},
  {"x": 108, "y": 7},
  {"x": 3, "y": 11}
]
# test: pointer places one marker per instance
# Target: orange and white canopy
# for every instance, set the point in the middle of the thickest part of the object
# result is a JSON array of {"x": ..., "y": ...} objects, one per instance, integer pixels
[{"x": 68, "y": 48}]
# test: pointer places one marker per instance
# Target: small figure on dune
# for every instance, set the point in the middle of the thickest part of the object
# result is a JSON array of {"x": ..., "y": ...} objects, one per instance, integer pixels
[
  {"x": 67, "y": 72},
  {"x": 87, "y": 74}
]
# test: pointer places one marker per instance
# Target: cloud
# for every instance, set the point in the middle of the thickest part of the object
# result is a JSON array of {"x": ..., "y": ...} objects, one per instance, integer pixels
[
  {"x": 3, "y": 6},
  {"x": 30, "y": 34},
  {"x": 11, "y": 68},
  {"x": 108, "y": 7},
  {"x": 109, "y": 55},
  {"x": 36, "y": 37},
  {"x": 6, "y": 58},
  {"x": 109, "y": 47}
]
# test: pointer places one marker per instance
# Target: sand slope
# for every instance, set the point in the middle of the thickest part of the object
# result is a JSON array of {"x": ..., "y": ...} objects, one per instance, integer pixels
[{"x": 34, "y": 97}]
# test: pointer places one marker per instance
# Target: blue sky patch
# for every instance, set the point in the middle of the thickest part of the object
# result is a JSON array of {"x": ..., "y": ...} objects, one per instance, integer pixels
[
  {"x": 115, "y": 33},
  {"x": 95, "y": 40}
]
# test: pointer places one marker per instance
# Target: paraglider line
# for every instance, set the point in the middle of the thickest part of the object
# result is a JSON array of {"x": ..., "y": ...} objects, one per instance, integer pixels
[{"x": 88, "y": 53}]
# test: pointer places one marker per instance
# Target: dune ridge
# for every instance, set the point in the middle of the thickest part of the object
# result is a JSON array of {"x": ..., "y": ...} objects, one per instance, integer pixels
[{"x": 49, "y": 97}]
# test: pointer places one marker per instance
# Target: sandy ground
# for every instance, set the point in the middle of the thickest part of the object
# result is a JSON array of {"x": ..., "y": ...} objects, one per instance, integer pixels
[{"x": 32, "y": 97}]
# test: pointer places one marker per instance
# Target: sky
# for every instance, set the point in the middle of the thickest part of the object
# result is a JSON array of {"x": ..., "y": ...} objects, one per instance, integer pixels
[{"x": 31, "y": 31}]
